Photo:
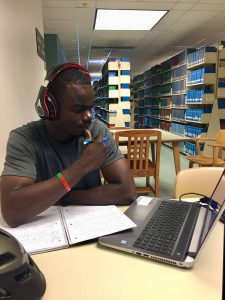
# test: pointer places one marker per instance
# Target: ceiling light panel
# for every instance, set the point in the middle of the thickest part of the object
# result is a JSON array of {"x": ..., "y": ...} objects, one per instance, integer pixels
[
  {"x": 122, "y": 19},
  {"x": 97, "y": 61}
]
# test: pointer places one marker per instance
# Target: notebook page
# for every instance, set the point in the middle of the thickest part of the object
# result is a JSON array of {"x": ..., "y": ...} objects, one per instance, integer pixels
[
  {"x": 43, "y": 233},
  {"x": 87, "y": 222}
]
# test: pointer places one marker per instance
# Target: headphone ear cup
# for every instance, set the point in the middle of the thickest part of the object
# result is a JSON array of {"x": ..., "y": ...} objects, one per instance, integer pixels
[
  {"x": 53, "y": 106},
  {"x": 39, "y": 104},
  {"x": 46, "y": 105}
]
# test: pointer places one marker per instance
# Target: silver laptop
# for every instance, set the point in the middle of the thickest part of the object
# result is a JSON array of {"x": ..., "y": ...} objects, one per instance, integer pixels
[{"x": 170, "y": 231}]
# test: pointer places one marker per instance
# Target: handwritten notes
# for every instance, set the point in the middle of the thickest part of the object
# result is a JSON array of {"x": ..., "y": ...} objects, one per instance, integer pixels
[
  {"x": 59, "y": 227},
  {"x": 88, "y": 222}
]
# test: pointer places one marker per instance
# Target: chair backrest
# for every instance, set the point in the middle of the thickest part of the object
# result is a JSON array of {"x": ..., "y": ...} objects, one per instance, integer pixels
[
  {"x": 118, "y": 128},
  {"x": 197, "y": 180},
  {"x": 139, "y": 148},
  {"x": 220, "y": 137}
]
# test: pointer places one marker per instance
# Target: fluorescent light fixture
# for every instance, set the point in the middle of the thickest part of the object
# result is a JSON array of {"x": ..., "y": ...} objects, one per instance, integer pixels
[
  {"x": 96, "y": 74},
  {"x": 126, "y": 19},
  {"x": 97, "y": 61}
]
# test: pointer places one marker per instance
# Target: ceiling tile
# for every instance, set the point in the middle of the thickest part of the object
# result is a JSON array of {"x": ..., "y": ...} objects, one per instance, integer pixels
[
  {"x": 195, "y": 16},
  {"x": 209, "y": 6},
  {"x": 59, "y": 13}
]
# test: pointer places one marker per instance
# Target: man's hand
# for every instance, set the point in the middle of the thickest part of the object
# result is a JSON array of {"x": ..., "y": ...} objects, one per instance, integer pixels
[{"x": 94, "y": 154}]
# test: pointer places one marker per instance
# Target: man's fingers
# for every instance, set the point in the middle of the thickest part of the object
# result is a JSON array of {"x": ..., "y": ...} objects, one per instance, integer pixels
[
  {"x": 98, "y": 138},
  {"x": 88, "y": 134}
]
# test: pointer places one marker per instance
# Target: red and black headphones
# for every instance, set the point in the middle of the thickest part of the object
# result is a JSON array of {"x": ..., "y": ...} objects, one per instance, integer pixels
[{"x": 46, "y": 105}]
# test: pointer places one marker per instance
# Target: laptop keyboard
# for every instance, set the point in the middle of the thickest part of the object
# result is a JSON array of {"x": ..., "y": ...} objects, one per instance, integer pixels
[{"x": 161, "y": 232}]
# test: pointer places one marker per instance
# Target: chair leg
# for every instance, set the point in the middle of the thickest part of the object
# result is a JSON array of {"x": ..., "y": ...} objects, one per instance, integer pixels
[
  {"x": 147, "y": 181},
  {"x": 191, "y": 164},
  {"x": 157, "y": 186}
]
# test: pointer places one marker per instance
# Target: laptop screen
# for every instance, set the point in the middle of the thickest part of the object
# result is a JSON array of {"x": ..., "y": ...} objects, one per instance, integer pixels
[
  {"x": 218, "y": 194},
  {"x": 215, "y": 207}
]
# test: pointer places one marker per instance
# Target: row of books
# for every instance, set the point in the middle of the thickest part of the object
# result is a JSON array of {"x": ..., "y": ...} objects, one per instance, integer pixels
[
  {"x": 118, "y": 72},
  {"x": 182, "y": 146},
  {"x": 187, "y": 130},
  {"x": 178, "y": 59},
  {"x": 165, "y": 65},
  {"x": 221, "y": 84},
  {"x": 179, "y": 73},
  {"x": 196, "y": 95},
  {"x": 117, "y": 86},
  {"x": 175, "y": 87},
  {"x": 156, "y": 80},
  {"x": 141, "y": 94},
  {"x": 193, "y": 131},
  {"x": 197, "y": 76},
  {"x": 195, "y": 114},
  {"x": 191, "y": 148},
  {"x": 156, "y": 113},
  {"x": 151, "y": 102},
  {"x": 156, "y": 102},
  {"x": 178, "y": 114},
  {"x": 164, "y": 125},
  {"x": 151, "y": 122},
  {"x": 160, "y": 73},
  {"x": 165, "y": 114},
  {"x": 192, "y": 95},
  {"x": 179, "y": 87},
  {"x": 166, "y": 102},
  {"x": 177, "y": 128},
  {"x": 178, "y": 100},
  {"x": 221, "y": 103},
  {"x": 171, "y": 127},
  {"x": 167, "y": 77},
  {"x": 165, "y": 89},
  {"x": 198, "y": 56}
]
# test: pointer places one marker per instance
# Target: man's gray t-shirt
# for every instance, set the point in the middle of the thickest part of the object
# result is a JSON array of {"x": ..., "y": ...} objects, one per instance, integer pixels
[{"x": 33, "y": 153}]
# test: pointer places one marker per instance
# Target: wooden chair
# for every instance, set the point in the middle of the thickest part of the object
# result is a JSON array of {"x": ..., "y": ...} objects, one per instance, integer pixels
[
  {"x": 118, "y": 128},
  {"x": 138, "y": 155},
  {"x": 206, "y": 160},
  {"x": 197, "y": 180}
]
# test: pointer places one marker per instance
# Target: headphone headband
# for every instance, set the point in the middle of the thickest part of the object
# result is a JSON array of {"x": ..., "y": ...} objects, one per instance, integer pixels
[
  {"x": 53, "y": 73},
  {"x": 46, "y": 105}
]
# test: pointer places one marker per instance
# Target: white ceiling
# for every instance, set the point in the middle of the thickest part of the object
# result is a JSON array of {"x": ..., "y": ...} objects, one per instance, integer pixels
[{"x": 189, "y": 23}]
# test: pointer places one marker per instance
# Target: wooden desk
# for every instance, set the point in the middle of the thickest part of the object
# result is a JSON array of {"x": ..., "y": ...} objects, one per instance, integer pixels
[
  {"x": 93, "y": 272},
  {"x": 167, "y": 137}
]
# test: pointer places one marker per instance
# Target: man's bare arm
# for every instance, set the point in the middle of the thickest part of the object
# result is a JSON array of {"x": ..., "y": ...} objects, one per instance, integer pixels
[
  {"x": 120, "y": 188},
  {"x": 22, "y": 198}
]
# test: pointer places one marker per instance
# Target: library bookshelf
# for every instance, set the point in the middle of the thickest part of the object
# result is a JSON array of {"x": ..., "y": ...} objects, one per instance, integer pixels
[
  {"x": 112, "y": 93},
  {"x": 184, "y": 95}
]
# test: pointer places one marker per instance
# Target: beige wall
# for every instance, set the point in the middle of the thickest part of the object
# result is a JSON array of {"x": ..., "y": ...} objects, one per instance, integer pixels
[{"x": 21, "y": 69}]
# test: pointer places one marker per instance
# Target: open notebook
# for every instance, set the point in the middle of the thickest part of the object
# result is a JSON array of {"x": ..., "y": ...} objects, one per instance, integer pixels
[{"x": 58, "y": 227}]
